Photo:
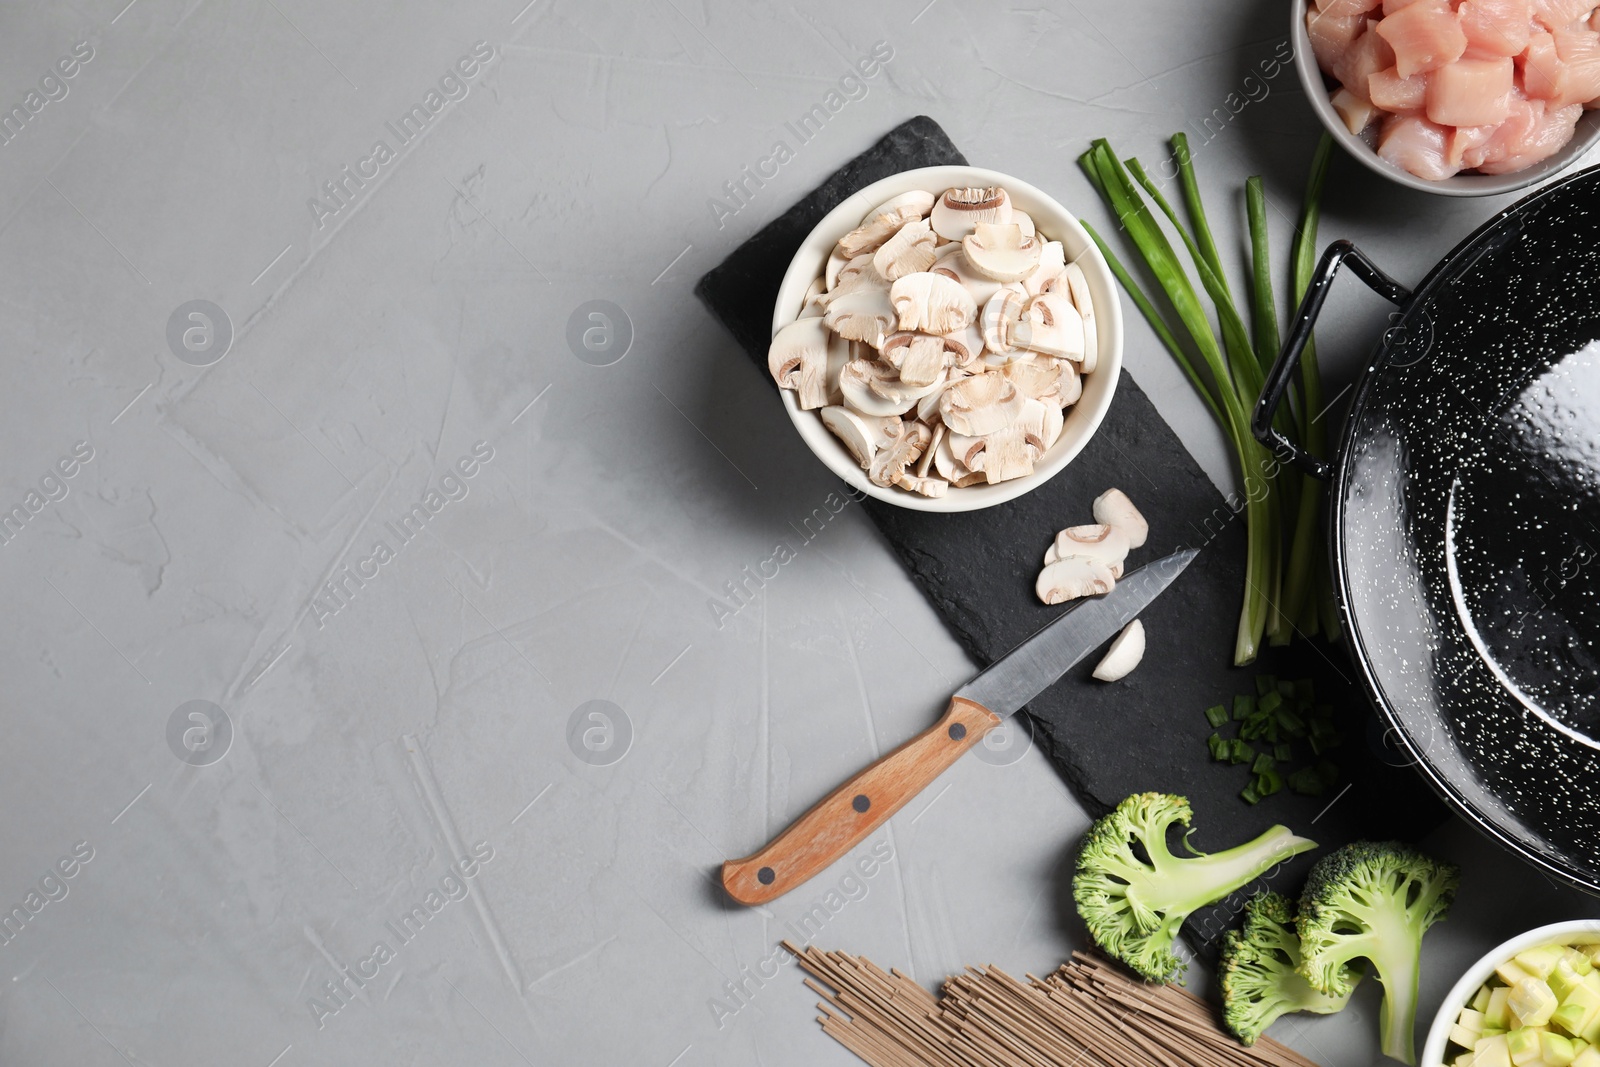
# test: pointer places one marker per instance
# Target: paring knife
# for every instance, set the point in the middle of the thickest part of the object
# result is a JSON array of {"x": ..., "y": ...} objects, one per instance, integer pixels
[{"x": 864, "y": 803}]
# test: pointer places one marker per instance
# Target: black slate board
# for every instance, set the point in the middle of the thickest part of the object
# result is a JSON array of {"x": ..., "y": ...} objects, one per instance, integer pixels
[{"x": 1147, "y": 732}]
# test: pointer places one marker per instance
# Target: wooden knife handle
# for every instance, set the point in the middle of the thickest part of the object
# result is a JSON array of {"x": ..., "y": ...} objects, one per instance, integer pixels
[{"x": 840, "y": 821}]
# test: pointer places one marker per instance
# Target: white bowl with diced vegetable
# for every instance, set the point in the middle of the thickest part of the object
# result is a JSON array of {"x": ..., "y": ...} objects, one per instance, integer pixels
[
  {"x": 1030, "y": 381},
  {"x": 1532, "y": 1002}
]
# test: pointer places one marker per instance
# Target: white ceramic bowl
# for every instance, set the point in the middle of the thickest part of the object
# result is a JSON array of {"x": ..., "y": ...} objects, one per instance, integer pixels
[
  {"x": 1316, "y": 90},
  {"x": 1573, "y": 932},
  {"x": 1050, "y": 219}
]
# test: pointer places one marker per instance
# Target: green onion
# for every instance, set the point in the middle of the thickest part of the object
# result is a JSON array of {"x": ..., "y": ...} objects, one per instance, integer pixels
[
  {"x": 1268, "y": 782},
  {"x": 1262, "y": 763},
  {"x": 1282, "y": 753},
  {"x": 1227, "y": 366},
  {"x": 1216, "y": 716},
  {"x": 1250, "y": 795},
  {"x": 1265, "y": 683},
  {"x": 1244, "y": 707}
]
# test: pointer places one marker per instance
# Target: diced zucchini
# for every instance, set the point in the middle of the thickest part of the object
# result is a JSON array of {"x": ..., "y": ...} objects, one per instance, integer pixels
[
  {"x": 1589, "y": 1057},
  {"x": 1532, "y": 1003},
  {"x": 1540, "y": 960},
  {"x": 1577, "y": 960},
  {"x": 1463, "y": 1060},
  {"x": 1555, "y": 1050},
  {"x": 1496, "y": 1052},
  {"x": 1464, "y": 1037},
  {"x": 1523, "y": 1045},
  {"x": 1592, "y": 951},
  {"x": 1570, "y": 1017},
  {"x": 1480, "y": 999},
  {"x": 1497, "y": 1014},
  {"x": 1510, "y": 972},
  {"x": 1564, "y": 979}
]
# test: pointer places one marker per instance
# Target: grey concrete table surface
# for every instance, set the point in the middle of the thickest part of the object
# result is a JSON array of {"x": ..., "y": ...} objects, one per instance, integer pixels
[{"x": 302, "y": 656}]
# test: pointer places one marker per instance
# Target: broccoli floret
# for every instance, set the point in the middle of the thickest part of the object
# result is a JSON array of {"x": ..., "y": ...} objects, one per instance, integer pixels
[
  {"x": 1133, "y": 893},
  {"x": 1374, "y": 900},
  {"x": 1258, "y": 973}
]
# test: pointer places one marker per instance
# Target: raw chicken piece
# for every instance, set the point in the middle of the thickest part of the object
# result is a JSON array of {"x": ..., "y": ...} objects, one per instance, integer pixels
[
  {"x": 1552, "y": 133},
  {"x": 1413, "y": 143},
  {"x": 1495, "y": 27},
  {"x": 1386, "y": 89},
  {"x": 1425, "y": 35},
  {"x": 1559, "y": 14},
  {"x": 1356, "y": 112},
  {"x": 1346, "y": 8},
  {"x": 1471, "y": 92},
  {"x": 1524, "y": 118},
  {"x": 1541, "y": 68},
  {"x": 1366, "y": 55},
  {"x": 1578, "y": 48},
  {"x": 1391, "y": 6},
  {"x": 1465, "y": 140},
  {"x": 1331, "y": 35}
]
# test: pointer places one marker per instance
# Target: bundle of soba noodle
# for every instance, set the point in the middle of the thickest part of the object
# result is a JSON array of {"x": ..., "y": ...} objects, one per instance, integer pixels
[{"x": 1086, "y": 1014}]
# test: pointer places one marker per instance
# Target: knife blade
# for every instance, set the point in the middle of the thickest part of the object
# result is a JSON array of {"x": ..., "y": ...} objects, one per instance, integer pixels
[
  {"x": 847, "y": 815},
  {"x": 1061, "y": 644}
]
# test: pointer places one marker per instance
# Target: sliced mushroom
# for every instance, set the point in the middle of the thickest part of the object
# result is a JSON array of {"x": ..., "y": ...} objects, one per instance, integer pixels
[
  {"x": 862, "y": 434},
  {"x": 905, "y": 444},
  {"x": 927, "y": 455},
  {"x": 882, "y": 223},
  {"x": 932, "y": 303},
  {"x": 1001, "y": 252},
  {"x": 955, "y": 267},
  {"x": 1071, "y": 578},
  {"x": 981, "y": 404},
  {"x": 1051, "y": 325},
  {"x": 1078, "y": 287},
  {"x": 910, "y": 250},
  {"x": 861, "y": 315},
  {"x": 914, "y": 203},
  {"x": 965, "y": 344},
  {"x": 809, "y": 307},
  {"x": 1071, "y": 384},
  {"x": 1037, "y": 378},
  {"x": 896, "y": 391},
  {"x": 798, "y": 360},
  {"x": 855, "y": 275},
  {"x": 1108, "y": 544},
  {"x": 999, "y": 320},
  {"x": 1113, "y": 508},
  {"x": 1023, "y": 220},
  {"x": 917, "y": 483},
  {"x": 952, "y": 469},
  {"x": 1051, "y": 424},
  {"x": 1126, "y": 650},
  {"x": 958, "y": 211},
  {"x": 856, "y": 382},
  {"x": 1052, "y": 262},
  {"x": 920, "y": 358},
  {"x": 830, "y": 272},
  {"x": 1011, "y": 451}
]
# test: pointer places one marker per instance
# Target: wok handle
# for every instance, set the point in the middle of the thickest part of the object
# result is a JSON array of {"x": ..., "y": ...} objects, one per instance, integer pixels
[{"x": 1282, "y": 373}]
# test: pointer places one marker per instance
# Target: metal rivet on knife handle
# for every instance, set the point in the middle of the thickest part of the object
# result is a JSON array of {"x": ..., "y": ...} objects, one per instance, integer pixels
[{"x": 847, "y": 815}]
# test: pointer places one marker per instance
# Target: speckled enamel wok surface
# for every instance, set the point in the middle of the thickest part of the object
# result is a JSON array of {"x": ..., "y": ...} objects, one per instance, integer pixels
[{"x": 1465, "y": 520}]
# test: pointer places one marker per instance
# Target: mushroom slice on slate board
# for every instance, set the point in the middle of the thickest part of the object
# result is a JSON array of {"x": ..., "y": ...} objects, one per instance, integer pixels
[
  {"x": 1073, "y": 577},
  {"x": 1126, "y": 650},
  {"x": 1113, "y": 508}
]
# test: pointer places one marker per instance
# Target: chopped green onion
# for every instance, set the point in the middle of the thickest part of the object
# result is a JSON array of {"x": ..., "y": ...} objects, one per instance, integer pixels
[
  {"x": 1250, "y": 795},
  {"x": 1217, "y": 716},
  {"x": 1262, "y": 763}
]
